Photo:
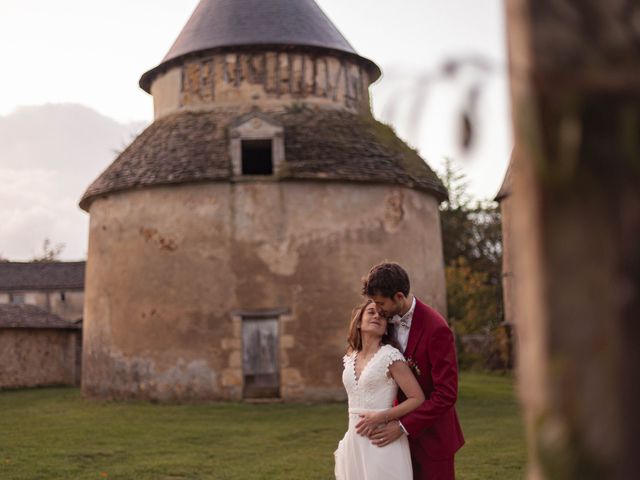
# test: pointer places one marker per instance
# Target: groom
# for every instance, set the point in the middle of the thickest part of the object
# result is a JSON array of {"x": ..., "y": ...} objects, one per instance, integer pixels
[{"x": 426, "y": 340}]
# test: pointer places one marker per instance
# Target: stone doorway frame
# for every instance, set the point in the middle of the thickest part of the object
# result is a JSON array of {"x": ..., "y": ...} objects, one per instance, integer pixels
[{"x": 280, "y": 315}]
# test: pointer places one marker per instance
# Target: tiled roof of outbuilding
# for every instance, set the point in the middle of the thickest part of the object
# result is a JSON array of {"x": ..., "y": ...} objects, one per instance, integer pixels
[
  {"x": 217, "y": 24},
  {"x": 41, "y": 276},
  {"x": 319, "y": 145},
  {"x": 31, "y": 316}
]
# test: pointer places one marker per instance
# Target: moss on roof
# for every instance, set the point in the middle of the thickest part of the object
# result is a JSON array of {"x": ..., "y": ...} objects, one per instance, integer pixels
[{"x": 320, "y": 145}]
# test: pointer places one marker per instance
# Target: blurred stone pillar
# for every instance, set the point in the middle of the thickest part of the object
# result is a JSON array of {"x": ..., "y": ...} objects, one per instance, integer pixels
[{"x": 575, "y": 80}]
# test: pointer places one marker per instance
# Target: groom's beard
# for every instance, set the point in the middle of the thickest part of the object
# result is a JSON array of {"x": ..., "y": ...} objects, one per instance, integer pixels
[{"x": 397, "y": 310}]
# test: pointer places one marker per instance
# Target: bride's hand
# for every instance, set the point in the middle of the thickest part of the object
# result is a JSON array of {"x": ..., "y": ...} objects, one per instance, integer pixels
[{"x": 369, "y": 422}]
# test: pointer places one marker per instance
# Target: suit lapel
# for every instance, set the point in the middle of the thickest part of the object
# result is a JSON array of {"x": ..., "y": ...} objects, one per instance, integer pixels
[{"x": 416, "y": 331}]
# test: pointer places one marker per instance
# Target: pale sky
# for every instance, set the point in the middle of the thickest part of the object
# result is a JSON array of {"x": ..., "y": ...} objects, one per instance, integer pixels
[{"x": 92, "y": 53}]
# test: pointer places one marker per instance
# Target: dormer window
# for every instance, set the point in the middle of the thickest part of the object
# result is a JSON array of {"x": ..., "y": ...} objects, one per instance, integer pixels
[
  {"x": 257, "y": 157},
  {"x": 256, "y": 146}
]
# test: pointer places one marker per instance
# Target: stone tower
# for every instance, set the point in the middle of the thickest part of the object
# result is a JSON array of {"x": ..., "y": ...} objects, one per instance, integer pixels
[{"x": 227, "y": 241}]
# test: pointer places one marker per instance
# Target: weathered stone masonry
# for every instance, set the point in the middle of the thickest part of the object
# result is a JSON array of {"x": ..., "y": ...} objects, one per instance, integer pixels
[
  {"x": 206, "y": 281},
  {"x": 262, "y": 78}
]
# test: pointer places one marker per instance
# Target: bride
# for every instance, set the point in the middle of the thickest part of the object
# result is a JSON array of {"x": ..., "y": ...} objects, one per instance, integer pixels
[{"x": 373, "y": 371}]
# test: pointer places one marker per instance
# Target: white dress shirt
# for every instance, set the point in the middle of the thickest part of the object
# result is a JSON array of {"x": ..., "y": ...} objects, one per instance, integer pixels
[{"x": 403, "y": 325}]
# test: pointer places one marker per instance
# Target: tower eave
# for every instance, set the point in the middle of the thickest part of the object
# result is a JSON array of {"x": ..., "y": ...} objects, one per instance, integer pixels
[{"x": 147, "y": 78}]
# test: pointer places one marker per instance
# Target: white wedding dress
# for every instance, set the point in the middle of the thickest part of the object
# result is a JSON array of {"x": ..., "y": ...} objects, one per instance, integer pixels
[{"x": 356, "y": 457}]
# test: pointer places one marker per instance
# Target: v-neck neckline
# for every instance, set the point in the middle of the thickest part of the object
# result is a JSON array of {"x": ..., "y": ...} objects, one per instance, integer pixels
[{"x": 364, "y": 368}]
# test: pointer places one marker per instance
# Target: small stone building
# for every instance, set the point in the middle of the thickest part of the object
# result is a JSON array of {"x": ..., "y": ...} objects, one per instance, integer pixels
[
  {"x": 55, "y": 287},
  {"x": 37, "y": 348},
  {"x": 40, "y": 323},
  {"x": 227, "y": 242},
  {"x": 506, "y": 211},
  {"x": 506, "y": 341}
]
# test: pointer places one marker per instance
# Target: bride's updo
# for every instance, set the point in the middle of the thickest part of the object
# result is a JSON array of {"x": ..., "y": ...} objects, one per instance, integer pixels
[{"x": 354, "y": 339}]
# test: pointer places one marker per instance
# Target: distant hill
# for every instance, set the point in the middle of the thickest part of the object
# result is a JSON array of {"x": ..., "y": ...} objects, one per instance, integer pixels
[{"x": 49, "y": 154}]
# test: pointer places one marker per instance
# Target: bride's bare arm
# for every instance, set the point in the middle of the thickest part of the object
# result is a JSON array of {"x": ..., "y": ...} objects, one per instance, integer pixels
[
  {"x": 407, "y": 382},
  {"x": 405, "y": 379}
]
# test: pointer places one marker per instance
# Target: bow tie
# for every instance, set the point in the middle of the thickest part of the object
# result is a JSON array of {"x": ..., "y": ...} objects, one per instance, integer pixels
[{"x": 400, "y": 321}]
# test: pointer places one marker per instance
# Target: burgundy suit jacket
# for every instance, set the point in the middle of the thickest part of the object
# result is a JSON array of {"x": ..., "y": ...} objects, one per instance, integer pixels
[{"x": 433, "y": 428}]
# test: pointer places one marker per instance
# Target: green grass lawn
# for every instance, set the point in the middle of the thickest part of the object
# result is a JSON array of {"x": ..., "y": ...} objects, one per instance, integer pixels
[{"x": 55, "y": 434}]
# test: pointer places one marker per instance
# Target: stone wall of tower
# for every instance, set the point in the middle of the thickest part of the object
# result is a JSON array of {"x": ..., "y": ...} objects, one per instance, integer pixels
[
  {"x": 266, "y": 80},
  {"x": 171, "y": 269}
]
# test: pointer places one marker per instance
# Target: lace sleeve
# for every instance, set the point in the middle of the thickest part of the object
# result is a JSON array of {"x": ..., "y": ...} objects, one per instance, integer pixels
[
  {"x": 345, "y": 359},
  {"x": 390, "y": 356}
]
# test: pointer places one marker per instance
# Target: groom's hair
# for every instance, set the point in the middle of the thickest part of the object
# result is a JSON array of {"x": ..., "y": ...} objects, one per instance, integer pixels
[{"x": 386, "y": 279}]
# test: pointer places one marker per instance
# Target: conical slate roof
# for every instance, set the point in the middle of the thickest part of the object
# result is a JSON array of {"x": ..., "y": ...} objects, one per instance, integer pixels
[{"x": 217, "y": 24}]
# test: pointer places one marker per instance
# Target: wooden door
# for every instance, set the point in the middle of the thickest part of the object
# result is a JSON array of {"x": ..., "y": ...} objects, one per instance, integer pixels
[{"x": 260, "y": 358}]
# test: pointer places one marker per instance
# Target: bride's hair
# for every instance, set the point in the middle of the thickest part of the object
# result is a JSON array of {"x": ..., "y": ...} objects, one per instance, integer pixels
[{"x": 354, "y": 339}]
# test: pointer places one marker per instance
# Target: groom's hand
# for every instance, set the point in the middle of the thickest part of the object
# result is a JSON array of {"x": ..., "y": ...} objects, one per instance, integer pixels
[
  {"x": 368, "y": 423},
  {"x": 386, "y": 434},
  {"x": 366, "y": 426}
]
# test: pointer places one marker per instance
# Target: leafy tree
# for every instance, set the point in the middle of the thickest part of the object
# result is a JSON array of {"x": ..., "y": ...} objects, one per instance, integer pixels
[
  {"x": 471, "y": 298},
  {"x": 472, "y": 244}
]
